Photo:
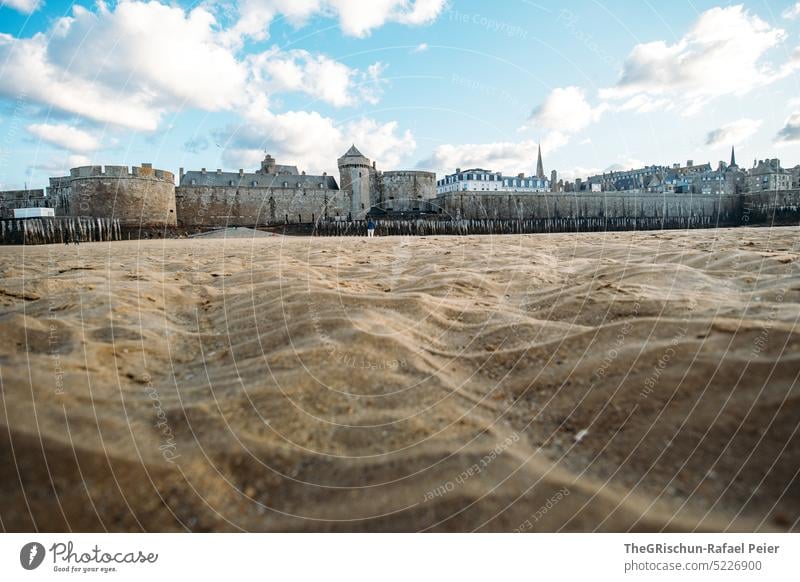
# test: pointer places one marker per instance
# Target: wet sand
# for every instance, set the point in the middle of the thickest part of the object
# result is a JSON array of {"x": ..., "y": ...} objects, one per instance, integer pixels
[{"x": 614, "y": 382}]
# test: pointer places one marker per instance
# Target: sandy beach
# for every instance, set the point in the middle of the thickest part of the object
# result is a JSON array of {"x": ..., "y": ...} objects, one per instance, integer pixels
[{"x": 591, "y": 382}]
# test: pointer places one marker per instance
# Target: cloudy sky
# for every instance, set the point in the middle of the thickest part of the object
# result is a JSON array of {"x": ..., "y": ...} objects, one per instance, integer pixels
[{"x": 431, "y": 84}]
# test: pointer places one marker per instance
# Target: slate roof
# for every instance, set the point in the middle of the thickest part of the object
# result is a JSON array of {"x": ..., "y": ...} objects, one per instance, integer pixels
[
  {"x": 253, "y": 180},
  {"x": 286, "y": 170},
  {"x": 353, "y": 152}
]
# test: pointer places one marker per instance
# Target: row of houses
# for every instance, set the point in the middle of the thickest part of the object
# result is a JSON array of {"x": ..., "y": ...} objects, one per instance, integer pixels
[{"x": 691, "y": 178}]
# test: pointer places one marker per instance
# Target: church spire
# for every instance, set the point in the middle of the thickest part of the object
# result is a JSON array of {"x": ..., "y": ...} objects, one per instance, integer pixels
[
  {"x": 539, "y": 165},
  {"x": 733, "y": 157}
]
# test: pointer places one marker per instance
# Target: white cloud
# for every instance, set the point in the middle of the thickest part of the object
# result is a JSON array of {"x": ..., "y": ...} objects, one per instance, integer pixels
[
  {"x": 24, "y": 6},
  {"x": 420, "y": 48},
  {"x": 255, "y": 16},
  {"x": 723, "y": 53},
  {"x": 792, "y": 12},
  {"x": 132, "y": 65},
  {"x": 566, "y": 110},
  {"x": 59, "y": 165},
  {"x": 626, "y": 164},
  {"x": 317, "y": 75},
  {"x": 29, "y": 73},
  {"x": 790, "y": 133},
  {"x": 76, "y": 161},
  {"x": 382, "y": 142},
  {"x": 65, "y": 136},
  {"x": 312, "y": 141},
  {"x": 506, "y": 157},
  {"x": 357, "y": 18},
  {"x": 644, "y": 104},
  {"x": 126, "y": 66},
  {"x": 733, "y": 133},
  {"x": 151, "y": 48},
  {"x": 569, "y": 175}
]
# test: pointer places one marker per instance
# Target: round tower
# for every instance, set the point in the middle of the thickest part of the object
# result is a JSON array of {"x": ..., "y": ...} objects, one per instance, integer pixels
[
  {"x": 354, "y": 177},
  {"x": 137, "y": 196}
]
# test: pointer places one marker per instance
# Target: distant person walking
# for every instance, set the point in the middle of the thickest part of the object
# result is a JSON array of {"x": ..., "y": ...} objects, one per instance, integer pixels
[{"x": 370, "y": 229}]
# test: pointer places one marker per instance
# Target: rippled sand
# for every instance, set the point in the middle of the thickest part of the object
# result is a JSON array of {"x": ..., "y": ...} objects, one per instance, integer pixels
[{"x": 622, "y": 381}]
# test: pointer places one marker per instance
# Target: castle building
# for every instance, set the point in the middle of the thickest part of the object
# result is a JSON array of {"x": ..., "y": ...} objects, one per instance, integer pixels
[
  {"x": 273, "y": 194},
  {"x": 137, "y": 196},
  {"x": 400, "y": 191},
  {"x": 357, "y": 174}
]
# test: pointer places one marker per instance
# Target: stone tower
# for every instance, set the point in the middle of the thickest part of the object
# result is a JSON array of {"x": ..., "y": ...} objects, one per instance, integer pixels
[
  {"x": 539, "y": 165},
  {"x": 354, "y": 177},
  {"x": 268, "y": 165}
]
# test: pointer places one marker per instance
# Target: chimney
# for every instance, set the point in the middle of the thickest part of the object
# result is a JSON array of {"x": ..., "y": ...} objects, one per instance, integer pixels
[
  {"x": 241, "y": 172},
  {"x": 689, "y": 163},
  {"x": 219, "y": 171},
  {"x": 180, "y": 175},
  {"x": 203, "y": 171}
]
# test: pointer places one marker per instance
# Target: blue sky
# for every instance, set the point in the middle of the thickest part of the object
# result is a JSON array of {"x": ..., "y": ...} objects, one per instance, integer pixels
[{"x": 430, "y": 84}]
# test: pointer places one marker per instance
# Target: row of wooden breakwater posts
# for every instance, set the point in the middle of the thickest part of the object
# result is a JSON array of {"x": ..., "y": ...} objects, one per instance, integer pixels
[
  {"x": 423, "y": 227},
  {"x": 38, "y": 231},
  {"x": 84, "y": 229}
]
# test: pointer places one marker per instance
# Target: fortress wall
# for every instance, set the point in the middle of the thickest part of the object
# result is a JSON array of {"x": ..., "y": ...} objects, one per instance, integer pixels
[
  {"x": 512, "y": 205},
  {"x": 228, "y": 205},
  {"x": 406, "y": 190},
  {"x": 775, "y": 207}
]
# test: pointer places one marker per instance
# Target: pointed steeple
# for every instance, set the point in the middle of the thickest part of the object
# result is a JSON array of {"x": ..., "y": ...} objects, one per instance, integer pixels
[
  {"x": 539, "y": 165},
  {"x": 733, "y": 157}
]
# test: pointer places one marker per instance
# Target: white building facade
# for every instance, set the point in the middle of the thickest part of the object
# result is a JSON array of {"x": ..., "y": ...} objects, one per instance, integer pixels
[{"x": 479, "y": 180}]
